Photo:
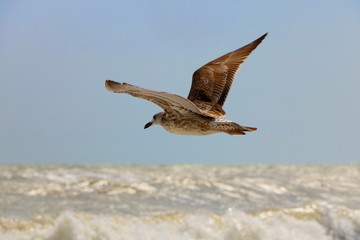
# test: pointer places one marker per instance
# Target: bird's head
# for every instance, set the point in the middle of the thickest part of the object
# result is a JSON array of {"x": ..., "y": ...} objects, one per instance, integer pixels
[{"x": 155, "y": 120}]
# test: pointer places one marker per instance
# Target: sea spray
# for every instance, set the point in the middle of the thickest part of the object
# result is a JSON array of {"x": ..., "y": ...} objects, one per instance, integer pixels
[{"x": 253, "y": 202}]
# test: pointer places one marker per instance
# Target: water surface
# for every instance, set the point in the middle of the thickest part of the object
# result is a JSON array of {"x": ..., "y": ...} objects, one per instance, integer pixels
[{"x": 180, "y": 202}]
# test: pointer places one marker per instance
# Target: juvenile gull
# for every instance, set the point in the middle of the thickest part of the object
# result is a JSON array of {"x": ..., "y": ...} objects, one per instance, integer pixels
[{"x": 201, "y": 113}]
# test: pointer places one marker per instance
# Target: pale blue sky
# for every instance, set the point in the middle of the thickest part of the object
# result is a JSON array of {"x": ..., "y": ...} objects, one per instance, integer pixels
[{"x": 300, "y": 87}]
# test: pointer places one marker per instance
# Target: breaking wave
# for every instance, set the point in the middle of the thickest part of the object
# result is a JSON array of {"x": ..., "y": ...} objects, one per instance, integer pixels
[
  {"x": 318, "y": 221},
  {"x": 254, "y": 202}
]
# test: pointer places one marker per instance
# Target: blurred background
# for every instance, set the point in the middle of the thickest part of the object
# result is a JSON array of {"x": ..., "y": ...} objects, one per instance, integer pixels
[{"x": 300, "y": 87}]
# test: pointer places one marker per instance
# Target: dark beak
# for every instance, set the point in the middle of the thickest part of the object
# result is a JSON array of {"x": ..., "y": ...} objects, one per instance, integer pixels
[{"x": 148, "y": 125}]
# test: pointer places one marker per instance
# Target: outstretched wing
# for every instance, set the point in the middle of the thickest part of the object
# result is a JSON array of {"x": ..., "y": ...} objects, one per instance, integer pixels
[
  {"x": 211, "y": 83},
  {"x": 171, "y": 103}
]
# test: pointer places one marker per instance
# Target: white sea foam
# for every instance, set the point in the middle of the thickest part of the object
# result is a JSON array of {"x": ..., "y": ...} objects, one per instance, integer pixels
[
  {"x": 180, "y": 202},
  {"x": 322, "y": 222}
]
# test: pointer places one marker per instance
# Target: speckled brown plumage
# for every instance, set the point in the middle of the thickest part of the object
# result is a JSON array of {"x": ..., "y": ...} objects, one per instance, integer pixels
[
  {"x": 211, "y": 83},
  {"x": 201, "y": 113}
]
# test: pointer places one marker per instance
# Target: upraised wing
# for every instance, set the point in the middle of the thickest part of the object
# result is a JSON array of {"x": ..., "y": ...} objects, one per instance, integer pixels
[
  {"x": 171, "y": 103},
  {"x": 211, "y": 83}
]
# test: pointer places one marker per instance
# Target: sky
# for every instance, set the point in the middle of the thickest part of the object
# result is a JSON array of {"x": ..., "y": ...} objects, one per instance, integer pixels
[{"x": 300, "y": 87}]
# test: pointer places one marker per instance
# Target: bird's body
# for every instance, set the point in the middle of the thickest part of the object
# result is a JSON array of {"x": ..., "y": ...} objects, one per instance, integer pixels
[
  {"x": 201, "y": 113},
  {"x": 200, "y": 125}
]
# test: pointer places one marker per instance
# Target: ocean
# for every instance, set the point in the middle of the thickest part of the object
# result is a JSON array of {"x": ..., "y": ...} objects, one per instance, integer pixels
[{"x": 180, "y": 202}]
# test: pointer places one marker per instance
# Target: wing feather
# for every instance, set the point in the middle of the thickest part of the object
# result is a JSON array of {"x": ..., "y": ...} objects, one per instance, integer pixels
[
  {"x": 171, "y": 103},
  {"x": 211, "y": 83}
]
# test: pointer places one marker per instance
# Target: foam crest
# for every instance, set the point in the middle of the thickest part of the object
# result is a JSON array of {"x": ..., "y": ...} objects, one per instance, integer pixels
[
  {"x": 318, "y": 221},
  {"x": 182, "y": 201}
]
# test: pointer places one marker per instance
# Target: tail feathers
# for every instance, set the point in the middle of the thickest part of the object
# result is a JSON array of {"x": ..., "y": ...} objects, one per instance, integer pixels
[
  {"x": 248, "y": 129},
  {"x": 241, "y": 130},
  {"x": 235, "y": 132}
]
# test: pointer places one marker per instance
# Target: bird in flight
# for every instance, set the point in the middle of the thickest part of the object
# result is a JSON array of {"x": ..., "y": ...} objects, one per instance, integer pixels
[{"x": 201, "y": 113}]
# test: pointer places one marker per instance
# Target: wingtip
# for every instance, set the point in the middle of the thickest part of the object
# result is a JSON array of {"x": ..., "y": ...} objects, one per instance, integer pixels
[
  {"x": 259, "y": 40},
  {"x": 263, "y": 36},
  {"x": 108, "y": 84},
  {"x": 115, "y": 87}
]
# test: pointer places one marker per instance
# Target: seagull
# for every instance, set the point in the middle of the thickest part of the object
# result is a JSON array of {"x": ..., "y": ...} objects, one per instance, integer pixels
[{"x": 201, "y": 113}]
